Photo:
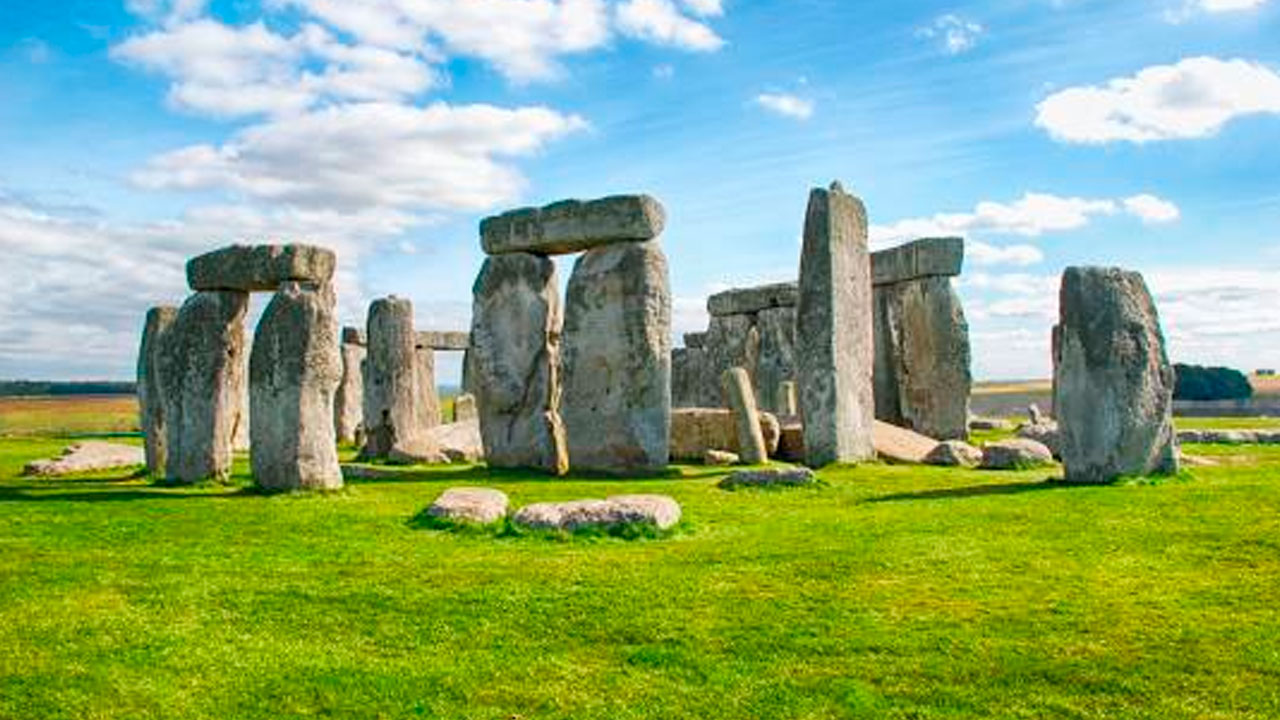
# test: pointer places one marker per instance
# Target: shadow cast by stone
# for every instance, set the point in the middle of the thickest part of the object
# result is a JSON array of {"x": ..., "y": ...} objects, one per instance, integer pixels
[
  {"x": 115, "y": 494},
  {"x": 968, "y": 491}
]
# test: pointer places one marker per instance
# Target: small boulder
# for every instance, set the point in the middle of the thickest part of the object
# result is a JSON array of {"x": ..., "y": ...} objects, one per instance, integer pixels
[
  {"x": 769, "y": 477},
  {"x": 87, "y": 457},
  {"x": 1045, "y": 432},
  {"x": 1016, "y": 454},
  {"x": 480, "y": 506},
  {"x": 954, "y": 453},
  {"x": 900, "y": 445},
  {"x": 659, "y": 511},
  {"x": 719, "y": 457}
]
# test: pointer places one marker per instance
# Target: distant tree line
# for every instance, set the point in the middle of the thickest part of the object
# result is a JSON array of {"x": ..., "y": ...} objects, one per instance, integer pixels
[
  {"x": 1196, "y": 382},
  {"x": 12, "y": 388}
]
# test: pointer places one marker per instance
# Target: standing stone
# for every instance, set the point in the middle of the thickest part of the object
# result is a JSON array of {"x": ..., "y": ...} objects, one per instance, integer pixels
[
  {"x": 395, "y": 416},
  {"x": 513, "y": 362},
  {"x": 464, "y": 408},
  {"x": 202, "y": 375},
  {"x": 150, "y": 389},
  {"x": 617, "y": 359},
  {"x": 1113, "y": 385},
  {"x": 746, "y": 417},
  {"x": 834, "y": 337},
  {"x": 776, "y": 361},
  {"x": 790, "y": 404},
  {"x": 348, "y": 402},
  {"x": 240, "y": 439},
  {"x": 294, "y": 370},
  {"x": 731, "y": 341},
  {"x": 426, "y": 364}
]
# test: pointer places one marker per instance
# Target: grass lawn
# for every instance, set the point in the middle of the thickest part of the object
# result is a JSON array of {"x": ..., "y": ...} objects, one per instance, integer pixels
[{"x": 893, "y": 592}]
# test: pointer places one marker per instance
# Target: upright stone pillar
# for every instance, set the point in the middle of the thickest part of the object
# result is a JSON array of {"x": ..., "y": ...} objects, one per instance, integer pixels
[
  {"x": 202, "y": 375},
  {"x": 395, "y": 411},
  {"x": 617, "y": 359},
  {"x": 294, "y": 371},
  {"x": 746, "y": 417},
  {"x": 151, "y": 390},
  {"x": 834, "y": 338},
  {"x": 513, "y": 362},
  {"x": 776, "y": 363},
  {"x": 240, "y": 437},
  {"x": 1113, "y": 385},
  {"x": 348, "y": 402},
  {"x": 426, "y": 364},
  {"x": 732, "y": 341}
]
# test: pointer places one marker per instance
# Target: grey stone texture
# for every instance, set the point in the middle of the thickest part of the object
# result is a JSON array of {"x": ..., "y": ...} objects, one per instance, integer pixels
[
  {"x": 348, "y": 401},
  {"x": 695, "y": 341},
  {"x": 775, "y": 359},
  {"x": 1015, "y": 454},
  {"x": 202, "y": 376},
  {"x": 694, "y": 431},
  {"x": 260, "y": 268},
  {"x": 456, "y": 442},
  {"x": 396, "y": 413},
  {"x": 444, "y": 340},
  {"x": 151, "y": 416},
  {"x": 464, "y": 408},
  {"x": 689, "y": 370},
  {"x": 900, "y": 445},
  {"x": 742, "y": 404},
  {"x": 748, "y": 301},
  {"x": 513, "y": 364},
  {"x": 87, "y": 457},
  {"x": 429, "y": 394},
  {"x": 1046, "y": 432},
  {"x": 659, "y": 511},
  {"x": 354, "y": 336},
  {"x": 571, "y": 226},
  {"x": 1113, "y": 384},
  {"x": 769, "y": 477},
  {"x": 478, "y": 506},
  {"x": 924, "y": 258},
  {"x": 834, "y": 335},
  {"x": 294, "y": 370},
  {"x": 617, "y": 359},
  {"x": 720, "y": 458},
  {"x": 954, "y": 453}
]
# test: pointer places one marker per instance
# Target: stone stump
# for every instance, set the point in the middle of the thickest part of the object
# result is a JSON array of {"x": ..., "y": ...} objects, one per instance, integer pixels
[
  {"x": 834, "y": 337},
  {"x": 395, "y": 411},
  {"x": 617, "y": 359},
  {"x": 151, "y": 414},
  {"x": 742, "y": 402},
  {"x": 1113, "y": 385},
  {"x": 294, "y": 370},
  {"x": 202, "y": 368},
  {"x": 513, "y": 362},
  {"x": 348, "y": 402}
]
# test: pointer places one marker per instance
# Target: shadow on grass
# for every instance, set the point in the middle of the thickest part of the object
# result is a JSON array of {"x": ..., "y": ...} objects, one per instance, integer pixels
[
  {"x": 1014, "y": 488},
  {"x": 112, "y": 492},
  {"x": 353, "y": 474}
]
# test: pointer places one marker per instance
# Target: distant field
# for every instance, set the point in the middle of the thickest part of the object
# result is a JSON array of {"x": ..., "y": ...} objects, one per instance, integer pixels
[{"x": 68, "y": 415}]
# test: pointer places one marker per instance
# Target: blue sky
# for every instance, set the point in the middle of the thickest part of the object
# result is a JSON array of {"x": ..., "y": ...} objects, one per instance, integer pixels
[{"x": 136, "y": 133}]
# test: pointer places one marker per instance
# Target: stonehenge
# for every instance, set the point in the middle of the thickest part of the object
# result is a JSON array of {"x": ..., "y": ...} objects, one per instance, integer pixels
[
  {"x": 397, "y": 409},
  {"x": 1113, "y": 384},
  {"x": 742, "y": 402},
  {"x": 151, "y": 416},
  {"x": 348, "y": 402}
]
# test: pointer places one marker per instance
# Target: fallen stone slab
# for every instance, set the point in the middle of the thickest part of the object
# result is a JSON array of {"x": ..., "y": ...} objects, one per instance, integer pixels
[
  {"x": 571, "y": 226},
  {"x": 985, "y": 423},
  {"x": 1016, "y": 454},
  {"x": 1229, "y": 437},
  {"x": 659, "y": 511},
  {"x": 87, "y": 457},
  {"x": 895, "y": 444},
  {"x": 694, "y": 431},
  {"x": 927, "y": 257},
  {"x": 954, "y": 453},
  {"x": 458, "y": 442},
  {"x": 444, "y": 340},
  {"x": 746, "y": 301},
  {"x": 769, "y": 477},
  {"x": 720, "y": 458},
  {"x": 364, "y": 472},
  {"x": 260, "y": 268},
  {"x": 1045, "y": 432},
  {"x": 479, "y": 506}
]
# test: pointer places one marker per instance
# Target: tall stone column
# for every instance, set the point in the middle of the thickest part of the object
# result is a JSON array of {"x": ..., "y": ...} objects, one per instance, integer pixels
[
  {"x": 513, "y": 362},
  {"x": 777, "y": 360},
  {"x": 1113, "y": 385},
  {"x": 395, "y": 411},
  {"x": 294, "y": 371},
  {"x": 151, "y": 390},
  {"x": 202, "y": 373},
  {"x": 834, "y": 337},
  {"x": 348, "y": 402},
  {"x": 430, "y": 395},
  {"x": 617, "y": 359}
]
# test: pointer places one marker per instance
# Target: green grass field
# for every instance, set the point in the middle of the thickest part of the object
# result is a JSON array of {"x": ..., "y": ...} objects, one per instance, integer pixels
[{"x": 892, "y": 592}]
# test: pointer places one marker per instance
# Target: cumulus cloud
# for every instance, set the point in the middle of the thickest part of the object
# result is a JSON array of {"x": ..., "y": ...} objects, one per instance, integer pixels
[
  {"x": 1151, "y": 209},
  {"x": 1193, "y": 98},
  {"x": 955, "y": 34},
  {"x": 786, "y": 105},
  {"x": 662, "y": 23}
]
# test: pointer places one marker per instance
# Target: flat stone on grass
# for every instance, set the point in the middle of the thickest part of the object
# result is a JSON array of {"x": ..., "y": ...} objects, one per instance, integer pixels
[
  {"x": 478, "y": 506},
  {"x": 1016, "y": 454},
  {"x": 86, "y": 457},
  {"x": 769, "y": 478},
  {"x": 659, "y": 511}
]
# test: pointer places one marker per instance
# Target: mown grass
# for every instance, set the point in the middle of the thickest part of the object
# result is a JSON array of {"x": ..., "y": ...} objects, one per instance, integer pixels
[
  {"x": 892, "y": 592},
  {"x": 70, "y": 415}
]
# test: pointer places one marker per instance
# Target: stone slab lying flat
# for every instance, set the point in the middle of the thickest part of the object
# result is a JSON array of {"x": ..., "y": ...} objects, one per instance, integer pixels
[
  {"x": 927, "y": 257},
  {"x": 896, "y": 444},
  {"x": 470, "y": 505},
  {"x": 444, "y": 340},
  {"x": 660, "y": 511},
  {"x": 571, "y": 226},
  {"x": 769, "y": 477},
  {"x": 1016, "y": 454},
  {"x": 260, "y": 268},
  {"x": 86, "y": 457},
  {"x": 744, "y": 301}
]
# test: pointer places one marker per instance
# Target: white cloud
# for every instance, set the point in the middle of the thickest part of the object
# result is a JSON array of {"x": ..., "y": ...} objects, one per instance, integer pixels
[
  {"x": 661, "y": 22},
  {"x": 705, "y": 8},
  {"x": 787, "y": 105},
  {"x": 167, "y": 11},
  {"x": 1193, "y": 98},
  {"x": 1191, "y": 8},
  {"x": 956, "y": 34},
  {"x": 980, "y": 253},
  {"x": 1151, "y": 209}
]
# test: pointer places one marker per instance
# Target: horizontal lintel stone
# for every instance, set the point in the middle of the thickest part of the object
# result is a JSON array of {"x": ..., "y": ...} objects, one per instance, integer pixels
[
  {"x": 927, "y": 257},
  {"x": 745, "y": 301},
  {"x": 354, "y": 336},
  {"x": 260, "y": 268},
  {"x": 571, "y": 226},
  {"x": 444, "y": 340}
]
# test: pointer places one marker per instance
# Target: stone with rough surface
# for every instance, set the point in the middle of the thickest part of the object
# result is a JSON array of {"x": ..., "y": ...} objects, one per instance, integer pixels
[
  {"x": 790, "y": 442},
  {"x": 927, "y": 257},
  {"x": 428, "y": 393},
  {"x": 202, "y": 375},
  {"x": 986, "y": 423},
  {"x": 617, "y": 360},
  {"x": 456, "y": 442},
  {"x": 1015, "y": 454},
  {"x": 1035, "y": 414},
  {"x": 1044, "y": 432},
  {"x": 513, "y": 365},
  {"x": 732, "y": 341},
  {"x": 900, "y": 445},
  {"x": 348, "y": 402},
  {"x": 834, "y": 335},
  {"x": 748, "y": 301},
  {"x": 659, "y": 511},
  {"x": 746, "y": 418},
  {"x": 480, "y": 506},
  {"x": 1113, "y": 384},
  {"x": 260, "y": 268},
  {"x": 396, "y": 408},
  {"x": 769, "y": 477},
  {"x": 464, "y": 408},
  {"x": 954, "y": 453},
  {"x": 294, "y": 370},
  {"x": 354, "y": 336},
  {"x": 776, "y": 360},
  {"x": 694, "y": 431},
  {"x": 445, "y": 340},
  {"x": 720, "y": 457},
  {"x": 695, "y": 341},
  {"x": 86, "y": 457},
  {"x": 150, "y": 389},
  {"x": 571, "y": 226},
  {"x": 689, "y": 370}
]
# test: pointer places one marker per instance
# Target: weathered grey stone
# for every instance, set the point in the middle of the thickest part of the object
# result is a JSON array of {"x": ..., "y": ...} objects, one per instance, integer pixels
[
  {"x": 746, "y": 418},
  {"x": 571, "y": 226},
  {"x": 928, "y": 257},
  {"x": 748, "y": 301},
  {"x": 480, "y": 506},
  {"x": 456, "y": 442},
  {"x": 900, "y": 445},
  {"x": 464, "y": 408},
  {"x": 86, "y": 457},
  {"x": 834, "y": 338},
  {"x": 720, "y": 458},
  {"x": 427, "y": 390},
  {"x": 732, "y": 341},
  {"x": 348, "y": 402},
  {"x": 788, "y": 403},
  {"x": 769, "y": 477},
  {"x": 790, "y": 442},
  {"x": 240, "y": 434},
  {"x": 922, "y": 372},
  {"x": 954, "y": 453},
  {"x": 1113, "y": 385},
  {"x": 444, "y": 340},
  {"x": 617, "y": 359},
  {"x": 396, "y": 413},
  {"x": 1035, "y": 414},
  {"x": 695, "y": 341},
  {"x": 150, "y": 389},
  {"x": 202, "y": 380},
  {"x": 1045, "y": 432},
  {"x": 694, "y": 431},
  {"x": 262, "y": 268},
  {"x": 659, "y": 511},
  {"x": 776, "y": 359},
  {"x": 688, "y": 377},
  {"x": 1015, "y": 454},
  {"x": 989, "y": 423},
  {"x": 513, "y": 364},
  {"x": 354, "y": 336},
  {"x": 1229, "y": 437},
  {"x": 294, "y": 371}
]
